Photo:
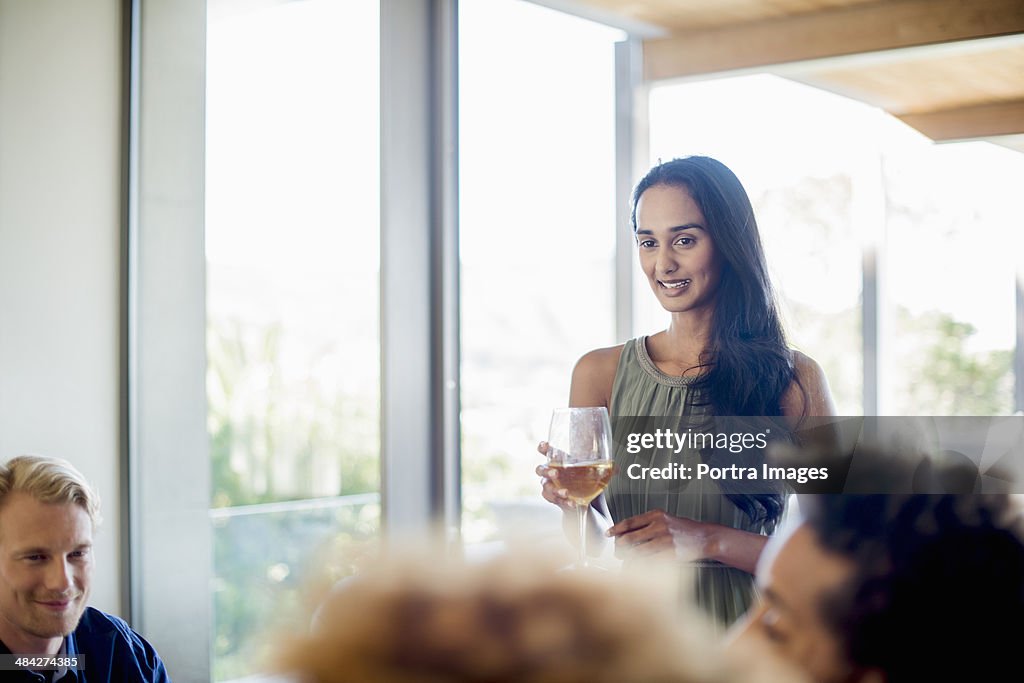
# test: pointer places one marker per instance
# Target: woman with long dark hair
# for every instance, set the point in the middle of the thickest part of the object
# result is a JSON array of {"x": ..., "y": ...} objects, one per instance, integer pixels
[{"x": 723, "y": 354}]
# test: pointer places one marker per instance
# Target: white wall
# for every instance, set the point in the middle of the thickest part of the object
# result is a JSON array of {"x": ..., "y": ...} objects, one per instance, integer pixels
[{"x": 60, "y": 91}]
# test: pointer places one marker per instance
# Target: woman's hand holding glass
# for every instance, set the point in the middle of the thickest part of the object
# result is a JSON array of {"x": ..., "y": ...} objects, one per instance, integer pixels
[
  {"x": 551, "y": 490},
  {"x": 579, "y": 462}
]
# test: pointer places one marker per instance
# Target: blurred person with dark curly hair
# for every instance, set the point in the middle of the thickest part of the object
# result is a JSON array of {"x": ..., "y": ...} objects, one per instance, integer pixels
[{"x": 896, "y": 588}]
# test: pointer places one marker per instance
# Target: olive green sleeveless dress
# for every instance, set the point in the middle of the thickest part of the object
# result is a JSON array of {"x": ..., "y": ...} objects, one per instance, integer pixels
[{"x": 639, "y": 392}]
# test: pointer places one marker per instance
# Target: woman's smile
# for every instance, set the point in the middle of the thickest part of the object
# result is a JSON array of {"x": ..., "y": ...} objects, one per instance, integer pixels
[{"x": 674, "y": 284}]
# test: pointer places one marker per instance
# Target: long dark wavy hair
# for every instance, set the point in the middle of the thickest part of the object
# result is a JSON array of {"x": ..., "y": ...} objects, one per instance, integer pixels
[{"x": 746, "y": 366}]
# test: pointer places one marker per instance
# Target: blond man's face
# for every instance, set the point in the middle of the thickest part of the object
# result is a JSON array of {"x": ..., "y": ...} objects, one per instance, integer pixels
[{"x": 45, "y": 571}]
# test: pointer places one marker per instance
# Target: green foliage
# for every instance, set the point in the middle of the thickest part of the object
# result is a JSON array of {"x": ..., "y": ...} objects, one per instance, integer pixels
[
  {"x": 941, "y": 375},
  {"x": 275, "y": 438},
  {"x": 934, "y": 369}
]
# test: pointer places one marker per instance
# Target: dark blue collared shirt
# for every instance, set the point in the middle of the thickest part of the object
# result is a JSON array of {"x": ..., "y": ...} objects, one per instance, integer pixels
[{"x": 112, "y": 651}]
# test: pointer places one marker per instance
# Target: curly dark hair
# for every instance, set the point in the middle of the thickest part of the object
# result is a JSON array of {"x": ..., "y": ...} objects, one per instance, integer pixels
[{"x": 937, "y": 592}]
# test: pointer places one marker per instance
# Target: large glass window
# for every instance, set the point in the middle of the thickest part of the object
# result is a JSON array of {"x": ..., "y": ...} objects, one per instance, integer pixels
[
  {"x": 949, "y": 269},
  {"x": 537, "y": 209},
  {"x": 292, "y": 265}
]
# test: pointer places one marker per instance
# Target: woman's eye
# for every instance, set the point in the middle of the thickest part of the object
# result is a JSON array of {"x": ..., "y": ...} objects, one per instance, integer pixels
[
  {"x": 685, "y": 241},
  {"x": 646, "y": 244}
]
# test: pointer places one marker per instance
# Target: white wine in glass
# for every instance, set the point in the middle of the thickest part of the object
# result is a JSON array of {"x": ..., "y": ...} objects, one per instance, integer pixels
[{"x": 580, "y": 450}]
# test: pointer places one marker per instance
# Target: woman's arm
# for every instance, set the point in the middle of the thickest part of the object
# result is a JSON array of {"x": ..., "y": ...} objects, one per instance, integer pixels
[
  {"x": 807, "y": 398},
  {"x": 808, "y": 394},
  {"x": 592, "y": 378}
]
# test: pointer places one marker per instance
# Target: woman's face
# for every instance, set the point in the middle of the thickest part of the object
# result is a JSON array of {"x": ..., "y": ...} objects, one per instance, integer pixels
[{"x": 677, "y": 253}]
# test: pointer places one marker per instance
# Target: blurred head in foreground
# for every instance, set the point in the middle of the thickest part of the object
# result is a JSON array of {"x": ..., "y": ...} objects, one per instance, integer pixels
[
  {"x": 895, "y": 588},
  {"x": 512, "y": 619}
]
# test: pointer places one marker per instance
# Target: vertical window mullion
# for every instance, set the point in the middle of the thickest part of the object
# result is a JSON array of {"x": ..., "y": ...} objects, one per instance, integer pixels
[{"x": 419, "y": 245}]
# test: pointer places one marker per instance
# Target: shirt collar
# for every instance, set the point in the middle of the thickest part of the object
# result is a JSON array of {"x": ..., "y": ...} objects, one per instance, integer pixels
[{"x": 67, "y": 647}]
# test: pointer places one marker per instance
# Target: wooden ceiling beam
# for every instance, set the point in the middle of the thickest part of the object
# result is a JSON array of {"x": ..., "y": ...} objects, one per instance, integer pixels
[
  {"x": 887, "y": 25},
  {"x": 965, "y": 123}
]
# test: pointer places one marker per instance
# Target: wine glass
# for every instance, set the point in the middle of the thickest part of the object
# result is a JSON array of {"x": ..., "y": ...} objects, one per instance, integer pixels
[{"x": 579, "y": 449}]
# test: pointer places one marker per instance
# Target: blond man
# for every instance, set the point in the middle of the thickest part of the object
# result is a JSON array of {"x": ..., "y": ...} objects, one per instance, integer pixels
[{"x": 48, "y": 513}]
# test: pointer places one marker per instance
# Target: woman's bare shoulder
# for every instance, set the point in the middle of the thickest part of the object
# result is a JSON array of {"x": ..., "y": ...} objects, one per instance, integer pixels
[
  {"x": 805, "y": 366},
  {"x": 593, "y": 376},
  {"x": 601, "y": 359},
  {"x": 809, "y": 394}
]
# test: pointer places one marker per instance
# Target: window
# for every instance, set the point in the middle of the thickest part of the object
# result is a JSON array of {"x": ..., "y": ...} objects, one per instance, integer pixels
[
  {"x": 950, "y": 263},
  {"x": 537, "y": 210},
  {"x": 292, "y": 296}
]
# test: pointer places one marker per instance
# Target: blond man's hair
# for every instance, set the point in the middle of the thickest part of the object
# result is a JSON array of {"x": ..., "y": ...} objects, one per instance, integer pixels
[{"x": 48, "y": 480}]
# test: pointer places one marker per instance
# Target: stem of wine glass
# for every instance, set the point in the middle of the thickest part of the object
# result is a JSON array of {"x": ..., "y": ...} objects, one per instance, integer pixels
[{"x": 582, "y": 514}]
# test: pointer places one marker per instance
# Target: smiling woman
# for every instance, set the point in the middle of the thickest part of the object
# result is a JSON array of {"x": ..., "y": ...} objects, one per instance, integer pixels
[{"x": 723, "y": 354}]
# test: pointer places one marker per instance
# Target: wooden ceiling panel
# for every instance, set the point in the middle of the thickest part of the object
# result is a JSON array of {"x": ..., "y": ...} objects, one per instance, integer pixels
[
  {"x": 971, "y": 122},
  {"x": 954, "y": 69},
  {"x": 918, "y": 85},
  {"x": 851, "y": 31},
  {"x": 689, "y": 15}
]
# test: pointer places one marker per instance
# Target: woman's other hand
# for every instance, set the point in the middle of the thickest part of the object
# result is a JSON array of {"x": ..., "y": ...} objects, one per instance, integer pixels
[
  {"x": 657, "y": 533},
  {"x": 550, "y": 488}
]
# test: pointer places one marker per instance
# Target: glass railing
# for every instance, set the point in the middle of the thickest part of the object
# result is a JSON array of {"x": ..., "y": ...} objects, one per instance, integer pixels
[{"x": 270, "y": 561}]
